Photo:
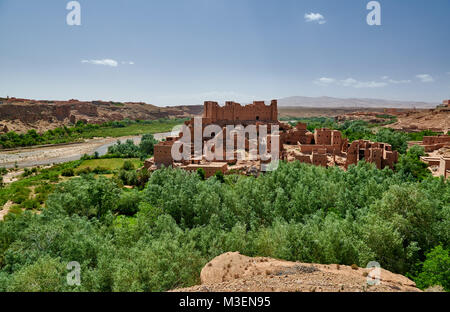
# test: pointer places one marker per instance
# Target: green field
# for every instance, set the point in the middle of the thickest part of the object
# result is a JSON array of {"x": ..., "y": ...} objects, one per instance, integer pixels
[
  {"x": 86, "y": 131},
  {"x": 133, "y": 129},
  {"x": 110, "y": 164}
]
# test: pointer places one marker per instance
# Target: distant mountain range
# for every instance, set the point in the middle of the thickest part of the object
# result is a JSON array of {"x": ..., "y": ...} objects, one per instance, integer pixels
[{"x": 331, "y": 102}]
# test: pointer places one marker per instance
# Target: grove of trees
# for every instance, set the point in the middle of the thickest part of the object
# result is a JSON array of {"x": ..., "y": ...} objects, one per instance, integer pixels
[{"x": 160, "y": 237}]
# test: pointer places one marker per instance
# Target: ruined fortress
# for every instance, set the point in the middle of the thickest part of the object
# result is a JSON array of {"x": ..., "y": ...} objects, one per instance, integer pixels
[
  {"x": 324, "y": 147},
  {"x": 234, "y": 113}
]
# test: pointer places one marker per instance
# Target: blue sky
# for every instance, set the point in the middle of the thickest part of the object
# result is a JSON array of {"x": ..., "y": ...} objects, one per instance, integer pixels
[{"x": 173, "y": 52}]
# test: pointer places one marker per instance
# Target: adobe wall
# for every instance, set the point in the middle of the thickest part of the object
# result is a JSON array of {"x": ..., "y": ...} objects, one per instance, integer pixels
[
  {"x": 303, "y": 158},
  {"x": 163, "y": 154},
  {"x": 381, "y": 154},
  {"x": 210, "y": 169},
  {"x": 322, "y": 137},
  {"x": 319, "y": 159},
  {"x": 444, "y": 167},
  {"x": 234, "y": 113},
  {"x": 433, "y": 143},
  {"x": 430, "y": 140}
]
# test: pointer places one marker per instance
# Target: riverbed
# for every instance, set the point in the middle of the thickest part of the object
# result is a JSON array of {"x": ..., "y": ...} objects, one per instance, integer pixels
[{"x": 49, "y": 155}]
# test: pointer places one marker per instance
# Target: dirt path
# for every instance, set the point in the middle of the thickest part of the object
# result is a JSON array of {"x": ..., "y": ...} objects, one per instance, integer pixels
[
  {"x": 5, "y": 209},
  {"x": 12, "y": 176}
]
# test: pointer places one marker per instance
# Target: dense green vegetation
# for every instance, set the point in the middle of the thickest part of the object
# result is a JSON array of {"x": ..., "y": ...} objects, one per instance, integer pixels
[
  {"x": 31, "y": 192},
  {"x": 87, "y": 131},
  {"x": 160, "y": 236},
  {"x": 131, "y": 150}
]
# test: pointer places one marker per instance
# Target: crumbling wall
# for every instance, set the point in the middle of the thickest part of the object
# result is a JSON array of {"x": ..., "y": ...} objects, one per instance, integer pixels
[{"x": 234, "y": 112}]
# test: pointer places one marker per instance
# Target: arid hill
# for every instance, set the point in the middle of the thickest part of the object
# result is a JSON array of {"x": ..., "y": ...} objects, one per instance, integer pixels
[
  {"x": 22, "y": 114},
  {"x": 233, "y": 272},
  {"x": 433, "y": 119},
  {"x": 331, "y": 102}
]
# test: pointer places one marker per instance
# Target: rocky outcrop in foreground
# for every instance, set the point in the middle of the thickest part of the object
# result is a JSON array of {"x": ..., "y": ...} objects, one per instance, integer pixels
[{"x": 233, "y": 272}]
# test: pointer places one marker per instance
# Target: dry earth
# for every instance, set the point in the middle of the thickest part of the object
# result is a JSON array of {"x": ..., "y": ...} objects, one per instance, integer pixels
[
  {"x": 5, "y": 209},
  {"x": 435, "y": 120},
  {"x": 306, "y": 112},
  {"x": 20, "y": 115},
  {"x": 233, "y": 272}
]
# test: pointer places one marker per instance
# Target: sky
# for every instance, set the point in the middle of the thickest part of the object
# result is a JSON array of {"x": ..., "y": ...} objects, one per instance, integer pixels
[{"x": 182, "y": 52}]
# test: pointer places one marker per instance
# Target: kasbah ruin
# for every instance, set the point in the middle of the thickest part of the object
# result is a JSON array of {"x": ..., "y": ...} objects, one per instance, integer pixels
[{"x": 324, "y": 147}]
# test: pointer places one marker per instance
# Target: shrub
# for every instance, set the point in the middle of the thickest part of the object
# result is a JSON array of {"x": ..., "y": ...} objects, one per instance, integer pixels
[
  {"x": 129, "y": 177},
  {"x": 435, "y": 269},
  {"x": 85, "y": 196},
  {"x": 129, "y": 203},
  {"x": 83, "y": 171},
  {"x": 45, "y": 275},
  {"x": 31, "y": 204},
  {"x": 68, "y": 172},
  {"x": 147, "y": 144},
  {"x": 128, "y": 165},
  {"x": 410, "y": 165},
  {"x": 3, "y": 171},
  {"x": 26, "y": 172},
  {"x": 101, "y": 170},
  {"x": 219, "y": 176},
  {"x": 201, "y": 173}
]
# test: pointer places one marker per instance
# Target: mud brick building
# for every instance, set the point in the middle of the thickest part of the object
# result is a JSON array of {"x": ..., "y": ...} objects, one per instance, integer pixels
[
  {"x": 433, "y": 143},
  {"x": 381, "y": 154},
  {"x": 439, "y": 158},
  {"x": 320, "y": 148},
  {"x": 163, "y": 153}
]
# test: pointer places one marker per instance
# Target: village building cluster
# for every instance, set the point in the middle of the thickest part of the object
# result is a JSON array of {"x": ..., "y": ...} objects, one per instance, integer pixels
[
  {"x": 438, "y": 149},
  {"x": 323, "y": 147}
]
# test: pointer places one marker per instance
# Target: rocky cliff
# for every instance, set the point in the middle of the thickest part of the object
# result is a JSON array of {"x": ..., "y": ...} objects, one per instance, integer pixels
[{"x": 23, "y": 114}]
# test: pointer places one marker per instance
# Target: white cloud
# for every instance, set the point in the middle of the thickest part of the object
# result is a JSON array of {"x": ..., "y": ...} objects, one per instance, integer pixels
[
  {"x": 399, "y": 81},
  {"x": 425, "y": 77},
  {"x": 105, "y": 62},
  {"x": 315, "y": 17},
  {"x": 350, "y": 82},
  {"x": 386, "y": 78},
  {"x": 128, "y": 63},
  {"x": 324, "y": 81}
]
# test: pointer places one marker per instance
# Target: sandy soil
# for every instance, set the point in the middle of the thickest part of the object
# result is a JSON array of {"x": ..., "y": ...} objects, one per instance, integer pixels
[
  {"x": 233, "y": 272},
  {"x": 436, "y": 120},
  {"x": 12, "y": 176},
  {"x": 5, "y": 209}
]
